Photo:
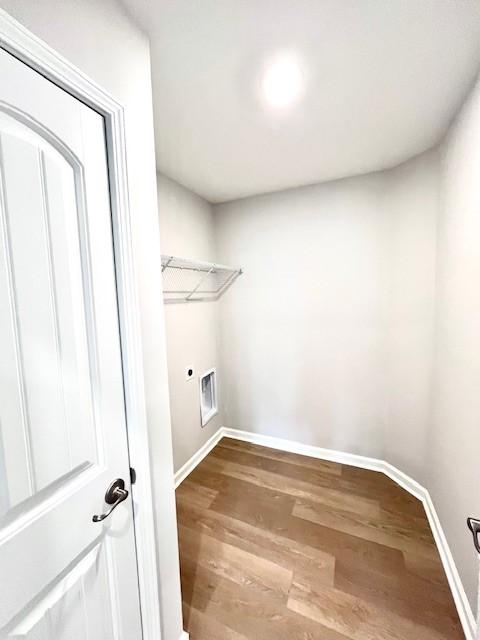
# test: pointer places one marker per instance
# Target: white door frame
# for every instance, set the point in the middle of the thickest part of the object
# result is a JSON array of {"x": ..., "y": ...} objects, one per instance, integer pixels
[{"x": 35, "y": 53}]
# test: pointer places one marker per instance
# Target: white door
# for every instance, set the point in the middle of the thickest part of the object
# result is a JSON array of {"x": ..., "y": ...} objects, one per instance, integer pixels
[{"x": 62, "y": 422}]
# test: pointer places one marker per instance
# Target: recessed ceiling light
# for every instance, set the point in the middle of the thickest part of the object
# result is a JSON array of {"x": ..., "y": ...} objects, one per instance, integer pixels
[{"x": 282, "y": 82}]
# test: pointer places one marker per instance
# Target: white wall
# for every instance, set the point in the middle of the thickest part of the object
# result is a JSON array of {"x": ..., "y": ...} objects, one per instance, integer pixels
[
  {"x": 337, "y": 277},
  {"x": 100, "y": 40},
  {"x": 187, "y": 231},
  {"x": 302, "y": 329},
  {"x": 356, "y": 323},
  {"x": 454, "y": 436},
  {"x": 411, "y": 205}
]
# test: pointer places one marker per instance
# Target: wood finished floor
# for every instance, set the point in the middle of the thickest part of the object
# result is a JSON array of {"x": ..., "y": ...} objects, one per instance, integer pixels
[{"x": 276, "y": 546}]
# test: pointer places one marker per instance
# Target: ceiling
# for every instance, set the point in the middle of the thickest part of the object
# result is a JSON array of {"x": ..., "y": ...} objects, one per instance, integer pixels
[{"x": 382, "y": 81}]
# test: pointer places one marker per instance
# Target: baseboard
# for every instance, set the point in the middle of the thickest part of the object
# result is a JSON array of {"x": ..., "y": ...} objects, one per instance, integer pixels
[
  {"x": 406, "y": 482},
  {"x": 461, "y": 601},
  {"x": 341, "y": 457},
  {"x": 197, "y": 457},
  {"x": 458, "y": 592},
  {"x": 375, "y": 464},
  {"x": 184, "y": 636}
]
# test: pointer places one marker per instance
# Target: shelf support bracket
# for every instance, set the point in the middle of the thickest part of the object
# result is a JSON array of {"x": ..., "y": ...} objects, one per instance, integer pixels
[{"x": 207, "y": 273}]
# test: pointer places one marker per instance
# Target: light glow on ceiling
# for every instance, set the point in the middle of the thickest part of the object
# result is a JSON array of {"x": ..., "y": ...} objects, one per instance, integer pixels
[{"x": 282, "y": 82}]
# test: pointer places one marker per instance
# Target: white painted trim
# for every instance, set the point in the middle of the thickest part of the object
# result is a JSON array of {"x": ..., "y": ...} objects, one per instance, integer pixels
[
  {"x": 456, "y": 587},
  {"x": 406, "y": 482},
  {"x": 303, "y": 449},
  {"x": 375, "y": 464},
  {"x": 184, "y": 636},
  {"x": 197, "y": 457},
  {"x": 24, "y": 45}
]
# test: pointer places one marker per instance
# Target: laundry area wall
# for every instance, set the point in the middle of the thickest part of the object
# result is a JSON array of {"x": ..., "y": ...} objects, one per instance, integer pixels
[{"x": 351, "y": 327}]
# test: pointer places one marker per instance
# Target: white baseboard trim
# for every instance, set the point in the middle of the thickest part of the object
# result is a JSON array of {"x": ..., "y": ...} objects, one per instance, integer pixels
[
  {"x": 184, "y": 636},
  {"x": 197, "y": 457},
  {"x": 375, "y": 464},
  {"x": 456, "y": 587},
  {"x": 458, "y": 592},
  {"x": 341, "y": 457}
]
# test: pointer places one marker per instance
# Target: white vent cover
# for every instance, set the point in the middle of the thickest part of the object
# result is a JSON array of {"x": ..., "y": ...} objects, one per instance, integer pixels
[{"x": 208, "y": 396}]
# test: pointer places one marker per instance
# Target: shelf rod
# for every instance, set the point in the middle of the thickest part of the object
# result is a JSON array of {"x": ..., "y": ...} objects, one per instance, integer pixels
[{"x": 196, "y": 264}]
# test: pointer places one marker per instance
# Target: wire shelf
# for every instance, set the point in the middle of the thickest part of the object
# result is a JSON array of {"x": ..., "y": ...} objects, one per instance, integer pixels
[{"x": 193, "y": 281}]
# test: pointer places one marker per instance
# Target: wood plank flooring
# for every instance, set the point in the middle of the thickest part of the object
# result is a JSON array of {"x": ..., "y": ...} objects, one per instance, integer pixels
[{"x": 276, "y": 546}]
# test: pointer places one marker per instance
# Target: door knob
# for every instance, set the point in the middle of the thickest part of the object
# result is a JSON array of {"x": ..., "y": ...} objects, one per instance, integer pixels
[
  {"x": 116, "y": 493},
  {"x": 474, "y": 526}
]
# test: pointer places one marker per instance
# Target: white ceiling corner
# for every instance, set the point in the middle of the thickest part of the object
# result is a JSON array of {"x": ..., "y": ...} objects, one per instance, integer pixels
[{"x": 382, "y": 82}]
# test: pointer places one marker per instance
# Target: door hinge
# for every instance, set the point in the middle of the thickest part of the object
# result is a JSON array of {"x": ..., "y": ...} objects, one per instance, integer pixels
[{"x": 133, "y": 475}]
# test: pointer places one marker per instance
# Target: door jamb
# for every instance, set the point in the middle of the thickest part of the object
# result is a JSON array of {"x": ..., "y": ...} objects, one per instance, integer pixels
[{"x": 28, "y": 48}]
